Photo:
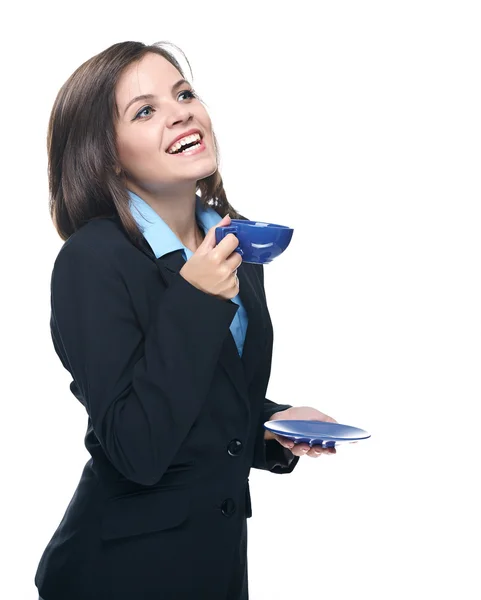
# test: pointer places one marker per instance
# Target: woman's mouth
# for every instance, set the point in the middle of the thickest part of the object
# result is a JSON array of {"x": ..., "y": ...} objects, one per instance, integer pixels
[{"x": 188, "y": 145}]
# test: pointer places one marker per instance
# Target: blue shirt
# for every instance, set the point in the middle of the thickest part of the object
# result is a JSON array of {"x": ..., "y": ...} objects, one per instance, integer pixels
[{"x": 163, "y": 240}]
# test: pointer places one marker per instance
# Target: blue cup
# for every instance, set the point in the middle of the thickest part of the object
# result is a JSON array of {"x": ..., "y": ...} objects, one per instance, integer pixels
[{"x": 259, "y": 242}]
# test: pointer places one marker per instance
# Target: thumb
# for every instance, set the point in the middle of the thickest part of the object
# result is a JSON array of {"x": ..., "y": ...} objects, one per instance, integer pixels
[{"x": 209, "y": 241}]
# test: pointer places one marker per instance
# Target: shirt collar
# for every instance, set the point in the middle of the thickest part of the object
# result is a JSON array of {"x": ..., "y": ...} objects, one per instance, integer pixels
[{"x": 158, "y": 234}]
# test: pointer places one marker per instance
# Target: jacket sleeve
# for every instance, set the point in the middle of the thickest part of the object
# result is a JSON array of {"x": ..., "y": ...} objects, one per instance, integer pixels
[
  {"x": 142, "y": 390},
  {"x": 270, "y": 455}
]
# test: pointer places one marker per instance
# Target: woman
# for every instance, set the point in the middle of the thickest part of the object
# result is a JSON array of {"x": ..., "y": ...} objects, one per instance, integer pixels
[{"x": 167, "y": 338}]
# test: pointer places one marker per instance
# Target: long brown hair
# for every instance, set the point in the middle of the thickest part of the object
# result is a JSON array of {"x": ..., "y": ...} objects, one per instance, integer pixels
[{"x": 82, "y": 154}]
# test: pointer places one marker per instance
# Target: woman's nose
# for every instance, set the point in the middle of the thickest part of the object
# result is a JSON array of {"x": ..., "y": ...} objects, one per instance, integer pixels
[{"x": 179, "y": 114}]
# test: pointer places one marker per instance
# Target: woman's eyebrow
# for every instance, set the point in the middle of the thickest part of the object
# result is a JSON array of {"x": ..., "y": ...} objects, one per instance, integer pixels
[{"x": 152, "y": 96}]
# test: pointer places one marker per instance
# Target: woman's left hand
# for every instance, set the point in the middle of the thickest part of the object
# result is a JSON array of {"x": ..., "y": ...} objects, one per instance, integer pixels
[{"x": 297, "y": 413}]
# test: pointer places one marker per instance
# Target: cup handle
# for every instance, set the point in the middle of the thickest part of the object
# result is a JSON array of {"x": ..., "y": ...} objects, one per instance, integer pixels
[{"x": 225, "y": 231}]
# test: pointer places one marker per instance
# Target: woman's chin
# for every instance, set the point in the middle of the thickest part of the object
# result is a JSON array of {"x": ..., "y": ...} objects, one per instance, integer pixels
[{"x": 201, "y": 171}]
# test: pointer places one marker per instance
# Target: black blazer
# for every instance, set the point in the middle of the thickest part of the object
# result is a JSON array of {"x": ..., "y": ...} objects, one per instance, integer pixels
[{"x": 174, "y": 424}]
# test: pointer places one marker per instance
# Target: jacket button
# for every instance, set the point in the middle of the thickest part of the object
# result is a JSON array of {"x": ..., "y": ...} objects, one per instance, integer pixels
[
  {"x": 228, "y": 507},
  {"x": 234, "y": 448}
]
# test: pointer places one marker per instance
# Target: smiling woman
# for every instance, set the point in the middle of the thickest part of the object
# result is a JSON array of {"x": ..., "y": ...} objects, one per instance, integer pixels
[
  {"x": 151, "y": 99},
  {"x": 108, "y": 117},
  {"x": 166, "y": 335}
]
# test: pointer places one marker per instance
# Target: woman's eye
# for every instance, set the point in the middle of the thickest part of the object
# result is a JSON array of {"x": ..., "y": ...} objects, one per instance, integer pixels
[
  {"x": 190, "y": 94},
  {"x": 142, "y": 111}
]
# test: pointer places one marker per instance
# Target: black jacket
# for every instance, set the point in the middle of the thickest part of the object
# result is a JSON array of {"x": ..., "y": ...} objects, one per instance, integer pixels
[{"x": 175, "y": 421}]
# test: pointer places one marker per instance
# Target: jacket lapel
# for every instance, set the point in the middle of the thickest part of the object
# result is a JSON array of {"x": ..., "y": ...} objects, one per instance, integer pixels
[
  {"x": 239, "y": 370},
  {"x": 250, "y": 291}
]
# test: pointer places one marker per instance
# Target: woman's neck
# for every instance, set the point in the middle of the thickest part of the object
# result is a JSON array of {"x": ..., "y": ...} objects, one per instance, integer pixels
[{"x": 178, "y": 212}]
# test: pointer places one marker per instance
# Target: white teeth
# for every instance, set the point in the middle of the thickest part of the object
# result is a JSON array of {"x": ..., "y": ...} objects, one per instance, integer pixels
[
  {"x": 186, "y": 140},
  {"x": 191, "y": 148}
]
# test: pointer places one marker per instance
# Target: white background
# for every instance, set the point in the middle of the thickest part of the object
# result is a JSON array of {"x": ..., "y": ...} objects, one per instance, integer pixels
[{"x": 357, "y": 124}]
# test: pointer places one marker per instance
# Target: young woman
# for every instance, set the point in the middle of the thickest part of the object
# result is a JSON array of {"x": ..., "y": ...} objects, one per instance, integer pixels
[{"x": 166, "y": 335}]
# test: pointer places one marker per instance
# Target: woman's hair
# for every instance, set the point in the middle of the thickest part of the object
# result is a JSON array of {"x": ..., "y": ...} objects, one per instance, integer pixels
[{"x": 82, "y": 154}]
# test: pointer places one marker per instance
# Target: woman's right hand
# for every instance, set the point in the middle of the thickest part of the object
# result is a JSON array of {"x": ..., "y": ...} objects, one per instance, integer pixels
[{"x": 212, "y": 268}]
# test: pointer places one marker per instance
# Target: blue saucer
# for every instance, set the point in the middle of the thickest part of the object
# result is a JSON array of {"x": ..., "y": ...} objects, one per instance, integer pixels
[{"x": 319, "y": 433}]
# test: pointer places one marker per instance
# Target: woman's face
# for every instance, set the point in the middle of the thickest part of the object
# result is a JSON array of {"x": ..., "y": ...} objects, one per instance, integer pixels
[{"x": 148, "y": 126}]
